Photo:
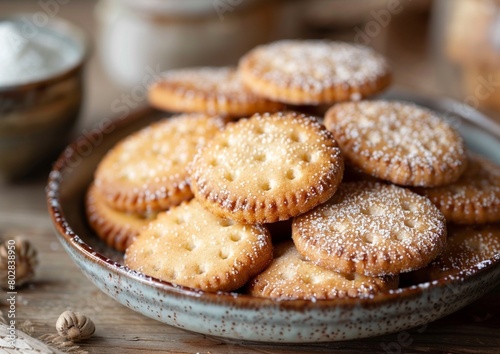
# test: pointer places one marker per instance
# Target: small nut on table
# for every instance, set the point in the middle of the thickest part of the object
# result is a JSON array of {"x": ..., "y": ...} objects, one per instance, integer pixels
[
  {"x": 24, "y": 255},
  {"x": 74, "y": 326}
]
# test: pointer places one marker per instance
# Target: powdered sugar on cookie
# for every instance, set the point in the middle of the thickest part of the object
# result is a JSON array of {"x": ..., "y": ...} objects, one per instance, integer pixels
[
  {"x": 372, "y": 229},
  {"x": 267, "y": 168},
  {"x": 189, "y": 246},
  {"x": 467, "y": 247},
  {"x": 290, "y": 276},
  {"x": 315, "y": 65},
  {"x": 222, "y": 82},
  {"x": 314, "y": 72},
  {"x": 208, "y": 89},
  {"x": 474, "y": 198},
  {"x": 147, "y": 170},
  {"x": 399, "y": 142}
]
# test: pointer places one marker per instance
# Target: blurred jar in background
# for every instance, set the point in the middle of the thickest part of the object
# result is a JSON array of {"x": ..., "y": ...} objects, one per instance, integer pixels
[
  {"x": 138, "y": 38},
  {"x": 341, "y": 13},
  {"x": 468, "y": 38},
  {"x": 364, "y": 22}
]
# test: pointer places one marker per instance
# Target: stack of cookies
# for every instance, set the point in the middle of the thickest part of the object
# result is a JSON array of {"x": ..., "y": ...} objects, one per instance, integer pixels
[{"x": 241, "y": 192}]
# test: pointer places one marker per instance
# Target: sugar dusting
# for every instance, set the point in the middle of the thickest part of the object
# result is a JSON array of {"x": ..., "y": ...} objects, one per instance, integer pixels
[
  {"x": 372, "y": 228},
  {"x": 396, "y": 140},
  {"x": 467, "y": 246},
  {"x": 158, "y": 153},
  {"x": 268, "y": 157},
  {"x": 474, "y": 197},
  {"x": 223, "y": 83},
  {"x": 189, "y": 246},
  {"x": 290, "y": 276},
  {"x": 316, "y": 65}
]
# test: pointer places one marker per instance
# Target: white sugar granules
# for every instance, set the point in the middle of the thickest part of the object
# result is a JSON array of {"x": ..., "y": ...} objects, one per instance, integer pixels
[{"x": 32, "y": 54}]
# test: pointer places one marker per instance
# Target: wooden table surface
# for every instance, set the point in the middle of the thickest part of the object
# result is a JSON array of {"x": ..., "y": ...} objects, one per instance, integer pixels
[{"x": 59, "y": 285}]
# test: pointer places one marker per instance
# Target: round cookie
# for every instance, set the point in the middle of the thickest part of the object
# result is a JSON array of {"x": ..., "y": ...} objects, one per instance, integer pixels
[
  {"x": 267, "y": 168},
  {"x": 314, "y": 72},
  {"x": 467, "y": 246},
  {"x": 290, "y": 276},
  {"x": 210, "y": 90},
  {"x": 118, "y": 229},
  {"x": 372, "y": 229},
  {"x": 187, "y": 245},
  {"x": 146, "y": 171},
  {"x": 474, "y": 198},
  {"x": 398, "y": 142}
]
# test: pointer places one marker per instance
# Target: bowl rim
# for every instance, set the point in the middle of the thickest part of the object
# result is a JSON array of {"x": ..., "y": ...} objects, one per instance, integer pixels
[
  {"x": 242, "y": 301},
  {"x": 69, "y": 30}
]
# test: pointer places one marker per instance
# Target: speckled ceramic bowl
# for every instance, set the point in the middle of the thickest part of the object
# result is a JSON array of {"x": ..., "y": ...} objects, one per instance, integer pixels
[{"x": 237, "y": 316}]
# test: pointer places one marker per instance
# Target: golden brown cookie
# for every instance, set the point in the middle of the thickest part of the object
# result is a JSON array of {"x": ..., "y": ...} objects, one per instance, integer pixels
[
  {"x": 267, "y": 168},
  {"x": 314, "y": 71},
  {"x": 467, "y": 246},
  {"x": 146, "y": 171},
  {"x": 209, "y": 90},
  {"x": 372, "y": 229},
  {"x": 474, "y": 198},
  {"x": 118, "y": 229},
  {"x": 398, "y": 142},
  {"x": 290, "y": 276},
  {"x": 187, "y": 245}
]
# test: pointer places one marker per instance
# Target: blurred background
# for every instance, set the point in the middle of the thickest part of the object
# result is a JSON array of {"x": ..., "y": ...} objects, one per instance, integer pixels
[{"x": 439, "y": 48}]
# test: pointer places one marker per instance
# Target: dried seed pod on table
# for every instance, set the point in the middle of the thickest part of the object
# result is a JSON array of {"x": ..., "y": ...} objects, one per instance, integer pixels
[
  {"x": 18, "y": 261},
  {"x": 74, "y": 326}
]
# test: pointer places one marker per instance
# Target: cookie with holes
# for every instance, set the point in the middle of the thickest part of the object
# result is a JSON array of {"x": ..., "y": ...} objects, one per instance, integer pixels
[
  {"x": 187, "y": 245},
  {"x": 267, "y": 168},
  {"x": 117, "y": 228},
  {"x": 467, "y": 246},
  {"x": 291, "y": 276},
  {"x": 146, "y": 171},
  {"x": 312, "y": 72},
  {"x": 372, "y": 229},
  {"x": 208, "y": 89},
  {"x": 399, "y": 142},
  {"x": 474, "y": 198}
]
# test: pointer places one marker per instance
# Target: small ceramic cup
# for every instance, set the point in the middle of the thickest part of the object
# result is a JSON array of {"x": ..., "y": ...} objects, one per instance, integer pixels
[{"x": 37, "y": 115}]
